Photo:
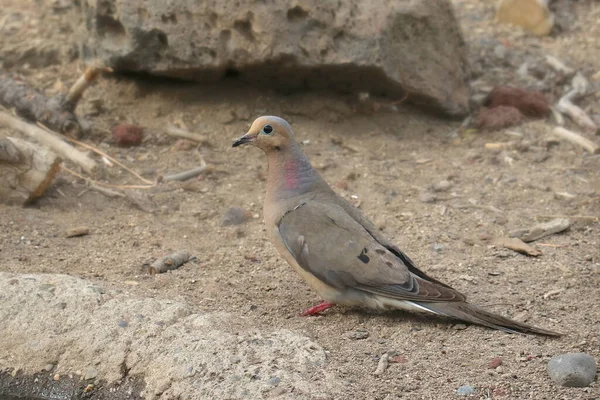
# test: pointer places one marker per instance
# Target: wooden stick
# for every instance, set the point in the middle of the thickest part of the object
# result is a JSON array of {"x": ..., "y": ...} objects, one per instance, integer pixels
[
  {"x": 185, "y": 175},
  {"x": 577, "y": 139},
  {"x": 172, "y": 261},
  {"x": 26, "y": 170},
  {"x": 566, "y": 106},
  {"x": 84, "y": 81},
  {"x": 33, "y": 105},
  {"x": 583, "y": 217},
  {"x": 172, "y": 130},
  {"x": 61, "y": 148}
]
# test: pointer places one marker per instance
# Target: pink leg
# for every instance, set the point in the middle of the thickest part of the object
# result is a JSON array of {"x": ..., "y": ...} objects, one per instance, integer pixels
[{"x": 316, "y": 310}]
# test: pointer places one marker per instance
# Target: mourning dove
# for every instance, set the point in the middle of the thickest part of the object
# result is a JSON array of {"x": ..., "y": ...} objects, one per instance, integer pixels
[{"x": 338, "y": 251}]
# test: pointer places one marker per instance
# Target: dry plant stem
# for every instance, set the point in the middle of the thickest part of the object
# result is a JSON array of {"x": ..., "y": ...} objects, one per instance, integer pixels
[
  {"x": 103, "y": 154},
  {"x": 172, "y": 261},
  {"x": 61, "y": 148},
  {"x": 94, "y": 182},
  {"x": 106, "y": 191},
  {"x": 84, "y": 81},
  {"x": 582, "y": 217},
  {"x": 77, "y": 231},
  {"x": 26, "y": 170},
  {"x": 566, "y": 106},
  {"x": 182, "y": 133},
  {"x": 576, "y": 138},
  {"x": 184, "y": 176}
]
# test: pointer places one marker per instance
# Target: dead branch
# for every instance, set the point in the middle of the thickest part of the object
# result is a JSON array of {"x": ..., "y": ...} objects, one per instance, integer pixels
[
  {"x": 576, "y": 138},
  {"x": 172, "y": 130},
  {"x": 542, "y": 230},
  {"x": 580, "y": 117},
  {"x": 61, "y": 148},
  {"x": 35, "y": 106},
  {"x": 77, "y": 231},
  {"x": 517, "y": 245},
  {"x": 172, "y": 261},
  {"x": 81, "y": 84},
  {"x": 26, "y": 170},
  {"x": 185, "y": 175}
]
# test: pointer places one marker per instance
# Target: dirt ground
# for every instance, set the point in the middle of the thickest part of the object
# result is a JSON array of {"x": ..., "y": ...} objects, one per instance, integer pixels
[{"x": 384, "y": 160}]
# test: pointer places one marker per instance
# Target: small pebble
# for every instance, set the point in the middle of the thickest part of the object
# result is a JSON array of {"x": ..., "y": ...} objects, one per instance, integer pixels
[
  {"x": 427, "y": 197},
  {"x": 495, "y": 363},
  {"x": 437, "y": 247},
  {"x": 459, "y": 327},
  {"x": 357, "y": 335},
  {"x": 90, "y": 373},
  {"x": 572, "y": 369},
  {"x": 88, "y": 388},
  {"x": 465, "y": 390},
  {"x": 274, "y": 381},
  {"x": 233, "y": 216},
  {"x": 441, "y": 186},
  {"x": 123, "y": 324},
  {"x": 56, "y": 377},
  {"x": 48, "y": 367}
]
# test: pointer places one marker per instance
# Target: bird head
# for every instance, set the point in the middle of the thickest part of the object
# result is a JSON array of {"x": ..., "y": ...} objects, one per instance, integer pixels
[{"x": 268, "y": 133}]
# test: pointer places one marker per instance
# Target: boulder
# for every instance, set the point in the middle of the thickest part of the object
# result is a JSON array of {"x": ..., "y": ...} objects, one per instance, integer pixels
[
  {"x": 75, "y": 327},
  {"x": 388, "y": 48}
]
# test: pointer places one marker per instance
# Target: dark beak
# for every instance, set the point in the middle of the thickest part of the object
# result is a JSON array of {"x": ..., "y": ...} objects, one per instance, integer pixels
[{"x": 247, "y": 138}]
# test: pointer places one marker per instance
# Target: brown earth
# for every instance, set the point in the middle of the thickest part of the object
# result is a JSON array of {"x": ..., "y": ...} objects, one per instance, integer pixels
[{"x": 382, "y": 158}]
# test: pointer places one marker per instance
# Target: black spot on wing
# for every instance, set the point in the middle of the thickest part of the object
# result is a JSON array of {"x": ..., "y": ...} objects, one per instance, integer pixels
[{"x": 363, "y": 256}]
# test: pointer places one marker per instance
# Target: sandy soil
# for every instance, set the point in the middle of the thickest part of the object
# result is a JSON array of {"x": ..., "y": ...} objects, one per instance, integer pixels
[{"x": 382, "y": 160}]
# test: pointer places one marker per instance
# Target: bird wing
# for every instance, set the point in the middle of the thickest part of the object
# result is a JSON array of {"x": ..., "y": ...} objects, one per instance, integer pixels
[{"x": 330, "y": 244}]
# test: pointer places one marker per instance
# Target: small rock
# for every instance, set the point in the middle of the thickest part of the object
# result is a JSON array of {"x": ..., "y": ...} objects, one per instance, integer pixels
[
  {"x": 56, "y": 377},
  {"x": 123, "y": 324},
  {"x": 465, "y": 390},
  {"x": 495, "y": 363},
  {"x": 441, "y": 186},
  {"x": 278, "y": 391},
  {"x": 572, "y": 369},
  {"x": 48, "y": 367},
  {"x": 459, "y": 327},
  {"x": 427, "y": 197},
  {"x": 127, "y": 135},
  {"x": 184, "y": 145},
  {"x": 234, "y": 216},
  {"x": 90, "y": 373},
  {"x": 88, "y": 388},
  {"x": 531, "y": 15},
  {"x": 437, "y": 247},
  {"x": 356, "y": 335},
  {"x": 274, "y": 381}
]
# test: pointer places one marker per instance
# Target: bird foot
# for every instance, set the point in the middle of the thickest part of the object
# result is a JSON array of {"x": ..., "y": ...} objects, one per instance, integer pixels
[{"x": 316, "y": 310}]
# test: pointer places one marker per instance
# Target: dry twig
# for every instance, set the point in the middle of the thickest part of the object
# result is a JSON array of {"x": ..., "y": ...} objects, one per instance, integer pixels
[
  {"x": 172, "y": 261},
  {"x": 576, "y": 138},
  {"x": 172, "y": 130},
  {"x": 61, "y": 148}
]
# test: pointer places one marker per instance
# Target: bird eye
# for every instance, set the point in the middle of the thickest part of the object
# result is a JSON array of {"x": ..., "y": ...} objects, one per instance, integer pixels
[{"x": 267, "y": 130}]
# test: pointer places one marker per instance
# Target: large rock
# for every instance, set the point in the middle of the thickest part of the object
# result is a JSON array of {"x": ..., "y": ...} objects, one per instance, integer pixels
[
  {"x": 73, "y": 325},
  {"x": 386, "y": 47}
]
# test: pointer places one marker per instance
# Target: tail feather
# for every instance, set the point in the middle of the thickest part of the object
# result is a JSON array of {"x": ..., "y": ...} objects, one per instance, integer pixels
[{"x": 473, "y": 314}]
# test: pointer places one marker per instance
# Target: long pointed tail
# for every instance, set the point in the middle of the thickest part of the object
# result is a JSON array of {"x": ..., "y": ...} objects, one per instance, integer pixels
[{"x": 473, "y": 314}]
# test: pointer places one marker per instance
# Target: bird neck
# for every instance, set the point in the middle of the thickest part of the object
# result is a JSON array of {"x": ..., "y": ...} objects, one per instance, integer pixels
[{"x": 290, "y": 174}]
